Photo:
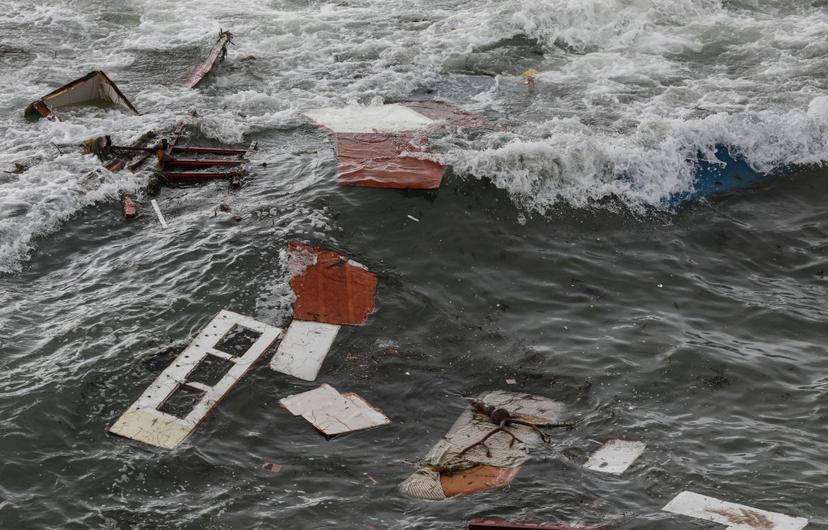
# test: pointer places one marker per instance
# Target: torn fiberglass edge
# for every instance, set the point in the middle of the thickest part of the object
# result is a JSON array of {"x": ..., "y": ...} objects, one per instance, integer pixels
[
  {"x": 332, "y": 413},
  {"x": 93, "y": 88},
  {"x": 458, "y": 464},
  {"x": 177, "y": 401}
]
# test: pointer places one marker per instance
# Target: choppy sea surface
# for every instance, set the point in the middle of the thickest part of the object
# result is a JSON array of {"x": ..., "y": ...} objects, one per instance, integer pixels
[{"x": 700, "y": 330}]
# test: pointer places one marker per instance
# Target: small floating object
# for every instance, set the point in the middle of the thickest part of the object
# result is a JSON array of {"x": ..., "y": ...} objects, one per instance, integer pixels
[
  {"x": 95, "y": 88},
  {"x": 128, "y": 206},
  {"x": 502, "y": 524},
  {"x": 615, "y": 456},
  {"x": 217, "y": 54},
  {"x": 735, "y": 516},
  {"x": 185, "y": 392},
  {"x": 332, "y": 413},
  {"x": 459, "y": 464},
  {"x": 158, "y": 213}
]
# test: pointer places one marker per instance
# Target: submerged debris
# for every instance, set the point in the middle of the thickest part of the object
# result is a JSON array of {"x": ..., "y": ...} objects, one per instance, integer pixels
[
  {"x": 91, "y": 89},
  {"x": 181, "y": 397}
]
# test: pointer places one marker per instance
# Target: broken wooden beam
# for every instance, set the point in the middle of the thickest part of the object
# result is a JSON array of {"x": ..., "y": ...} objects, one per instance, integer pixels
[{"x": 217, "y": 54}]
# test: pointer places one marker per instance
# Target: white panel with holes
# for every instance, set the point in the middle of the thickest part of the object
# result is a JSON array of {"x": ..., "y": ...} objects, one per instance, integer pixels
[{"x": 187, "y": 381}]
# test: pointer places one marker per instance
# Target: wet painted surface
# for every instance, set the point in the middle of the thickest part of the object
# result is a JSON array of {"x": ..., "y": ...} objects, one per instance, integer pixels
[{"x": 699, "y": 332}]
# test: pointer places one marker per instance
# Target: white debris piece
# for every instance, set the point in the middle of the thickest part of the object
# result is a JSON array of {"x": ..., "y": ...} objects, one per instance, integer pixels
[
  {"x": 735, "y": 516},
  {"x": 144, "y": 421},
  {"x": 304, "y": 348},
  {"x": 377, "y": 118},
  {"x": 158, "y": 213},
  {"x": 615, "y": 456},
  {"x": 334, "y": 413}
]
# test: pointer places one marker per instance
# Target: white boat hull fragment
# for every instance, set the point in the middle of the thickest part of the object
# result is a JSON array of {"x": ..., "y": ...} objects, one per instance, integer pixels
[
  {"x": 370, "y": 119},
  {"x": 734, "y": 516},
  {"x": 304, "y": 348},
  {"x": 144, "y": 421},
  {"x": 333, "y": 413},
  {"x": 615, "y": 456},
  {"x": 158, "y": 213}
]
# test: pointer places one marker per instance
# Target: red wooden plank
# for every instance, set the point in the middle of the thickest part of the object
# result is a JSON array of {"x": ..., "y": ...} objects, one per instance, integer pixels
[
  {"x": 501, "y": 524},
  {"x": 333, "y": 290},
  {"x": 375, "y": 161}
]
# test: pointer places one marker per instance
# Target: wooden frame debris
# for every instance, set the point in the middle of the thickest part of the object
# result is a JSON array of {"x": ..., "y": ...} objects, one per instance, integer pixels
[
  {"x": 94, "y": 87},
  {"x": 615, "y": 456},
  {"x": 145, "y": 422},
  {"x": 304, "y": 348},
  {"x": 332, "y": 413},
  {"x": 734, "y": 516},
  {"x": 217, "y": 54}
]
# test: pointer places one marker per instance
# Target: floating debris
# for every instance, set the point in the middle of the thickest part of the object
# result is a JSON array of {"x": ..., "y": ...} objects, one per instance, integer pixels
[
  {"x": 158, "y": 213},
  {"x": 272, "y": 467},
  {"x": 95, "y": 88},
  {"x": 486, "y": 446},
  {"x": 501, "y": 524},
  {"x": 332, "y": 413},
  {"x": 331, "y": 288},
  {"x": 185, "y": 392},
  {"x": 615, "y": 456},
  {"x": 304, "y": 348},
  {"x": 128, "y": 206},
  {"x": 372, "y": 142},
  {"x": 735, "y": 516},
  {"x": 217, "y": 54}
]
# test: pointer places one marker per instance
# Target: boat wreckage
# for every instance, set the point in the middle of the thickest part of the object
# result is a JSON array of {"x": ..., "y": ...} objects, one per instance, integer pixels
[{"x": 95, "y": 88}]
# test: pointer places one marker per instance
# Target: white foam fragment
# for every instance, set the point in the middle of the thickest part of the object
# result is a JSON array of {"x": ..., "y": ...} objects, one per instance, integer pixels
[
  {"x": 735, "y": 516},
  {"x": 379, "y": 118},
  {"x": 615, "y": 456},
  {"x": 304, "y": 348},
  {"x": 333, "y": 413},
  {"x": 158, "y": 213},
  {"x": 144, "y": 422}
]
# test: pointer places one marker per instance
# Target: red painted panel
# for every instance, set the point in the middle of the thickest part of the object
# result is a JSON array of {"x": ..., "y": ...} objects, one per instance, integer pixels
[
  {"x": 500, "y": 524},
  {"x": 332, "y": 290},
  {"x": 373, "y": 160},
  {"x": 476, "y": 479}
]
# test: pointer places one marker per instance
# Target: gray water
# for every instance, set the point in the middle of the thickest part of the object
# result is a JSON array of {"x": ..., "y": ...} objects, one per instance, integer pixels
[{"x": 700, "y": 331}]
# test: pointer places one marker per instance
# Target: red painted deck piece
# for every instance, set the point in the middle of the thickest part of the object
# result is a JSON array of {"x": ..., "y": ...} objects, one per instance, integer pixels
[
  {"x": 128, "y": 206},
  {"x": 332, "y": 290},
  {"x": 501, "y": 524},
  {"x": 374, "y": 161}
]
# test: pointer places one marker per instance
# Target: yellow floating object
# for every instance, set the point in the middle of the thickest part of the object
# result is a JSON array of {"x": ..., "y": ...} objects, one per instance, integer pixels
[{"x": 529, "y": 73}]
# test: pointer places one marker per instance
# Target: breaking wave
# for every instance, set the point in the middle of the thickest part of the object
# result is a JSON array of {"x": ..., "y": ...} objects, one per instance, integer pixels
[{"x": 627, "y": 92}]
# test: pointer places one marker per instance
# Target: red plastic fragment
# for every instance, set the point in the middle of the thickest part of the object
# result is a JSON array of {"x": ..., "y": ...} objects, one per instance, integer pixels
[
  {"x": 501, "y": 524},
  {"x": 331, "y": 289},
  {"x": 374, "y": 160},
  {"x": 128, "y": 206}
]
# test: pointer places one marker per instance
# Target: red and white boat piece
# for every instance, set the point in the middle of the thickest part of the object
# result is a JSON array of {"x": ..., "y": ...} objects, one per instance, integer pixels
[
  {"x": 734, "y": 516},
  {"x": 375, "y": 144}
]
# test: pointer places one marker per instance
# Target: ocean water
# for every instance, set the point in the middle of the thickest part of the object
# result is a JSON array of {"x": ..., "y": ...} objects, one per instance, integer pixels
[{"x": 546, "y": 257}]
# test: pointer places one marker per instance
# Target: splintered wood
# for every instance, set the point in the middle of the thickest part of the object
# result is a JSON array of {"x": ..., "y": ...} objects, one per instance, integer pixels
[
  {"x": 458, "y": 465},
  {"x": 332, "y": 413},
  {"x": 734, "y": 516},
  {"x": 146, "y": 422}
]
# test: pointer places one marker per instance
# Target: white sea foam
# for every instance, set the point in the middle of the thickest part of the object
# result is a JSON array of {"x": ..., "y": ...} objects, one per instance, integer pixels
[{"x": 628, "y": 89}]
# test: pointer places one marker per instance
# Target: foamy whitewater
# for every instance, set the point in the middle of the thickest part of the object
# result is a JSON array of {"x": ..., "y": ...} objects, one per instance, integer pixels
[{"x": 627, "y": 88}]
